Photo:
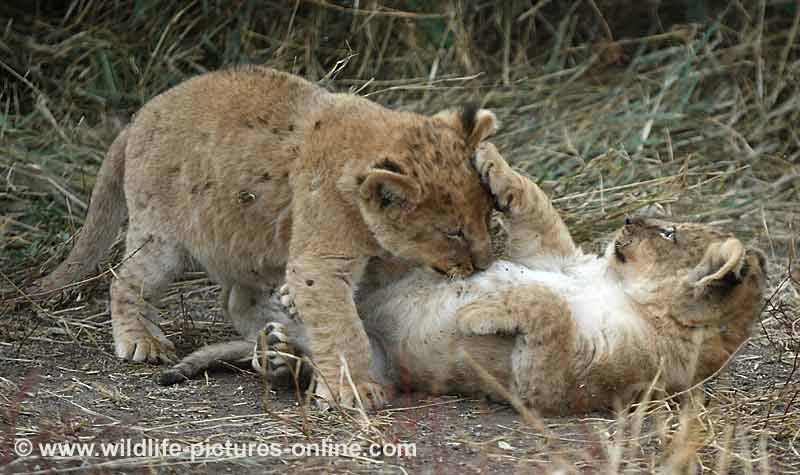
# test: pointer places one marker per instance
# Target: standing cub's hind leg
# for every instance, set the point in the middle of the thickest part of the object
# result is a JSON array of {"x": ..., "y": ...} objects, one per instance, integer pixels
[
  {"x": 250, "y": 308},
  {"x": 152, "y": 262}
]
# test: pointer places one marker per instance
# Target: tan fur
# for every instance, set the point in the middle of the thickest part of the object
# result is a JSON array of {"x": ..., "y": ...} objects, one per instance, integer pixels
[
  {"x": 102, "y": 223},
  {"x": 257, "y": 175},
  {"x": 566, "y": 333}
]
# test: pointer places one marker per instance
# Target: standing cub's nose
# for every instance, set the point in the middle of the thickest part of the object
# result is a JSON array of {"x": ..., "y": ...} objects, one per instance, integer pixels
[
  {"x": 480, "y": 251},
  {"x": 480, "y": 264}
]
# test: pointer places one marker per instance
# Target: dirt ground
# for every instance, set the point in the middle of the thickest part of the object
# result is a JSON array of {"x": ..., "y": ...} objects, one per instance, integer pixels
[{"x": 61, "y": 383}]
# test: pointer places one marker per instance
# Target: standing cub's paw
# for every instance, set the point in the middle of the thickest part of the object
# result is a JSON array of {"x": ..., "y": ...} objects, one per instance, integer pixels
[
  {"x": 280, "y": 340},
  {"x": 505, "y": 185},
  {"x": 142, "y": 340},
  {"x": 371, "y": 394}
]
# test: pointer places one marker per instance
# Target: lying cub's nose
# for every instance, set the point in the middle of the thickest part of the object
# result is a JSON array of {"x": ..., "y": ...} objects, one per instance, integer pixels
[{"x": 633, "y": 220}]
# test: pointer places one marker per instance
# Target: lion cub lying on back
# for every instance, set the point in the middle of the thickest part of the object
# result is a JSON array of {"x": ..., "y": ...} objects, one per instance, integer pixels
[
  {"x": 261, "y": 176},
  {"x": 567, "y": 332}
]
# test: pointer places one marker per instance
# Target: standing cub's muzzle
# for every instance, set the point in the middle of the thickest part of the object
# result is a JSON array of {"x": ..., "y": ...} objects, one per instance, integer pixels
[
  {"x": 482, "y": 260},
  {"x": 454, "y": 269}
]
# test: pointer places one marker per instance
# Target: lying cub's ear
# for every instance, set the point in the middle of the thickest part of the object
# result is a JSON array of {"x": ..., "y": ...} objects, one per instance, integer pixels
[
  {"x": 475, "y": 123},
  {"x": 722, "y": 265},
  {"x": 386, "y": 185},
  {"x": 653, "y": 210}
]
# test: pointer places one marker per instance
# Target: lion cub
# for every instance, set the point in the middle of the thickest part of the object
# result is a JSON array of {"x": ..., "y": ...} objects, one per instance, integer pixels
[
  {"x": 563, "y": 332},
  {"x": 261, "y": 176}
]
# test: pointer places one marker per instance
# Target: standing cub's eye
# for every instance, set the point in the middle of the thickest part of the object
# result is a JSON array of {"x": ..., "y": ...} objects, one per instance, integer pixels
[
  {"x": 668, "y": 234},
  {"x": 458, "y": 235}
]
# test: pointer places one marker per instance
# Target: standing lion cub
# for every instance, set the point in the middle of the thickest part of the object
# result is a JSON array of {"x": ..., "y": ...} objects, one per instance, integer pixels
[{"x": 259, "y": 175}]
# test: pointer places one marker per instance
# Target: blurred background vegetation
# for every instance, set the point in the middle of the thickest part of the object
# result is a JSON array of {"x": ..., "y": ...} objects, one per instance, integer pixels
[{"x": 611, "y": 104}]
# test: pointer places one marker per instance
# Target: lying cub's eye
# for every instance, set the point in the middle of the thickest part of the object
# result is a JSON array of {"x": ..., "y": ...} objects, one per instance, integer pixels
[
  {"x": 668, "y": 234},
  {"x": 458, "y": 235}
]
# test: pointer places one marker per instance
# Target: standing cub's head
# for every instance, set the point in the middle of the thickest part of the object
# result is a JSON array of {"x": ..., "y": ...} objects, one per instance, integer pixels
[{"x": 423, "y": 199}]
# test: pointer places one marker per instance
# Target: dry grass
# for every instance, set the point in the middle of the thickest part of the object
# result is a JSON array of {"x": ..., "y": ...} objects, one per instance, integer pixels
[{"x": 609, "y": 115}]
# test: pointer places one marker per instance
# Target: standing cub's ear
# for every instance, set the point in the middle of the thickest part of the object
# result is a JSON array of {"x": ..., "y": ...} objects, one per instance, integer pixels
[
  {"x": 475, "y": 123},
  {"x": 386, "y": 185},
  {"x": 722, "y": 264}
]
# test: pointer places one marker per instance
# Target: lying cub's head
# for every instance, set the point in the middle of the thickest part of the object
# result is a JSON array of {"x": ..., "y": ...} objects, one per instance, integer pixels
[
  {"x": 708, "y": 275},
  {"x": 423, "y": 199},
  {"x": 703, "y": 280},
  {"x": 652, "y": 246}
]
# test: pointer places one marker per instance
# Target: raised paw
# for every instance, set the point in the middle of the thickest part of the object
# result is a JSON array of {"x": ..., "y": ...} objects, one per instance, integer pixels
[
  {"x": 273, "y": 354},
  {"x": 142, "y": 340},
  {"x": 506, "y": 186},
  {"x": 372, "y": 396}
]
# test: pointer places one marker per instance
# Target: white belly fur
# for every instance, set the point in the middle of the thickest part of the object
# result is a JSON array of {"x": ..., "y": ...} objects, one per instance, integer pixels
[{"x": 421, "y": 307}]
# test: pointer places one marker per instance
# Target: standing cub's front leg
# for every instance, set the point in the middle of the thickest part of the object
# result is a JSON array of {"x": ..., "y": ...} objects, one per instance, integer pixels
[{"x": 323, "y": 293}]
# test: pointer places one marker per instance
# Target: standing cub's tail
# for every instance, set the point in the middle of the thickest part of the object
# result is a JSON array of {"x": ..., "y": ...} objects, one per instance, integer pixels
[{"x": 107, "y": 211}]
